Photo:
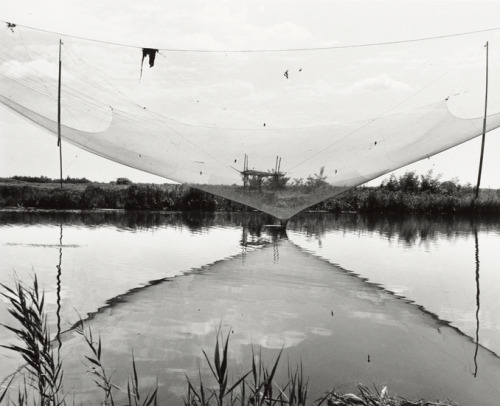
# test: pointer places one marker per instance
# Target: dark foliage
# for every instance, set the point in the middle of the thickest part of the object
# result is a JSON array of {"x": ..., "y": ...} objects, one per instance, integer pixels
[
  {"x": 147, "y": 197},
  {"x": 409, "y": 193},
  {"x": 195, "y": 199},
  {"x": 44, "y": 179},
  {"x": 123, "y": 181}
]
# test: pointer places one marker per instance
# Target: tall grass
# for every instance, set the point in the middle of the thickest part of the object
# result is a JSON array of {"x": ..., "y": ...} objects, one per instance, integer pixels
[
  {"x": 257, "y": 391},
  {"x": 258, "y": 387},
  {"x": 43, "y": 365},
  {"x": 42, "y": 374}
]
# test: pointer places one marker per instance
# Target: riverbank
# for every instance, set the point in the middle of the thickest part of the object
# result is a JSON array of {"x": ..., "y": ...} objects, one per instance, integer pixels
[
  {"x": 406, "y": 194},
  {"x": 94, "y": 195}
]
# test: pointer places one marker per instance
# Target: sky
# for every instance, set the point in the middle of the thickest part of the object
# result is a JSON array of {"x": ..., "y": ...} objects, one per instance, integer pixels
[{"x": 26, "y": 149}]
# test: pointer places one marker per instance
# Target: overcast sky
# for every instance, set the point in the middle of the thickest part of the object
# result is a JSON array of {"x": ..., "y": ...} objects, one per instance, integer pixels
[{"x": 237, "y": 25}]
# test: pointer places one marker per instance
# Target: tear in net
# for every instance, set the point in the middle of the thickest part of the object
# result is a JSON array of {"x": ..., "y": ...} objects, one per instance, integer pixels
[{"x": 277, "y": 131}]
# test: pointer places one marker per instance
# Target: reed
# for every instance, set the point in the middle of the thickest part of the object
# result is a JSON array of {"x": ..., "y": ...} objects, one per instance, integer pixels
[
  {"x": 219, "y": 369},
  {"x": 42, "y": 386},
  {"x": 101, "y": 378},
  {"x": 258, "y": 387},
  {"x": 43, "y": 364},
  {"x": 134, "y": 393}
]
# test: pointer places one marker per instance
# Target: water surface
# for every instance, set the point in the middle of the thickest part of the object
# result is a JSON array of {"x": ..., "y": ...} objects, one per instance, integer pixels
[{"x": 388, "y": 301}]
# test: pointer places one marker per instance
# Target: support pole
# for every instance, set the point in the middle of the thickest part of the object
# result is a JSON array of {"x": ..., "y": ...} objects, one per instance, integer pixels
[
  {"x": 484, "y": 127},
  {"x": 59, "y": 143}
]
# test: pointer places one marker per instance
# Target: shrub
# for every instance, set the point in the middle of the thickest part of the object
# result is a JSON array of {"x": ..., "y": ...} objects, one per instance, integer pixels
[
  {"x": 317, "y": 180},
  {"x": 59, "y": 198},
  {"x": 147, "y": 197},
  {"x": 196, "y": 199},
  {"x": 429, "y": 183},
  {"x": 93, "y": 197},
  {"x": 73, "y": 180},
  {"x": 409, "y": 182},
  {"x": 124, "y": 181},
  {"x": 448, "y": 188},
  {"x": 391, "y": 184},
  {"x": 276, "y": 182},
  {"x": 33, "y": 179}
]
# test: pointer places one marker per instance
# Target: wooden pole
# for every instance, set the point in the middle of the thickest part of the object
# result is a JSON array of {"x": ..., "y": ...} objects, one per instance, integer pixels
[
  {"x": 59, "y": 143},
  {"x": 484, "y": 127}
]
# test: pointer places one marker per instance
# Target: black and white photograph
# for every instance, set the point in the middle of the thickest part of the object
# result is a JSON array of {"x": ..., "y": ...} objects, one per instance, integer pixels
[{"x": 249, "y": 202}]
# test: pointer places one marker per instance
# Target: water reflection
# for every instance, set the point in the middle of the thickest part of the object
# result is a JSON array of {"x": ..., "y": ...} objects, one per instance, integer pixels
[
  {"x": 258, "y": 235},
  {"x": 135, "y": 220},
  {"x": 106, "y": 255},
  {"x": 58, "y": 289},
  {"x": 478, "y": 303},
  {"x": 426, "y": 259},
  {"x": 331, "y": 318},
  {"x": 406, "y": 229},
  {"x": 402, "y": 281}
]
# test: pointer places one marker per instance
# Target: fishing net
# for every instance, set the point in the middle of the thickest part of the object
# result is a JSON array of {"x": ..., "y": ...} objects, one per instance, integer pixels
[{"x": 276, "y": 130}]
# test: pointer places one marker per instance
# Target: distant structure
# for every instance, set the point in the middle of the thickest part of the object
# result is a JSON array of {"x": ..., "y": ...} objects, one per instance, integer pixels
[{"x": 253, "y": 178}]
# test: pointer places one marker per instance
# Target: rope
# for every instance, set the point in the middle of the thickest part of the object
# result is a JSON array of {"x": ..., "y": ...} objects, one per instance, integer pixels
[{"x": 371, "y": 44}]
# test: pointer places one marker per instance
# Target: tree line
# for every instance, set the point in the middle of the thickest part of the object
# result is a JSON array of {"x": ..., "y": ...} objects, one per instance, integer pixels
[{"x": 409, "y": 192}]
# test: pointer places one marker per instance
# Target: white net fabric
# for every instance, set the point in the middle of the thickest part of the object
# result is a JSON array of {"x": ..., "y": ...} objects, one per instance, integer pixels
[{"x": 278, "y": 131}]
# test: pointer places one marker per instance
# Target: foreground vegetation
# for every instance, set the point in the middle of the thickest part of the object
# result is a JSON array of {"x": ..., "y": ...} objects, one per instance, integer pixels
[
  {"x": 41, "y": 381},
  {"x": 409, "y": 193}
]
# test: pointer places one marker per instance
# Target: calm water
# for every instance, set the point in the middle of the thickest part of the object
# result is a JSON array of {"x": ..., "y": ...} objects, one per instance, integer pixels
[{"x": 381, "y": 300}]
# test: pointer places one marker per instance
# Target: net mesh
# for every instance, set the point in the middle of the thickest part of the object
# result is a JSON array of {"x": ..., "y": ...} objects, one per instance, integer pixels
[{"x": 278, "y": 131}]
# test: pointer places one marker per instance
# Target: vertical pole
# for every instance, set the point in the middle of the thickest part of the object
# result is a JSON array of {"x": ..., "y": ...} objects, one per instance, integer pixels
[
  {"x": 484, "y": 127},
  {"x": 59, "y": 143}
]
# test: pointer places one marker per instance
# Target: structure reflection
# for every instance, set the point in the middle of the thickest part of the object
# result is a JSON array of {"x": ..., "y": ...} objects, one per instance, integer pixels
[
  {"x": 478, "y": 303},
  {"x": 259, "y": 235},
  {"x": 58, "y": 290}
]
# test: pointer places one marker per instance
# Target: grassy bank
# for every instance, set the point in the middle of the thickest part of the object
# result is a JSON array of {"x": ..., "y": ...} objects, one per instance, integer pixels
[
  {"x": 116, "y": 195},
  {"x": 411, "y": 193},
  {"x": 407, "y": 194},
  {"x": 40, "y": 380}
]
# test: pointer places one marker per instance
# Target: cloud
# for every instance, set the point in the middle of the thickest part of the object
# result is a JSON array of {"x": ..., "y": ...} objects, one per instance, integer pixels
[
  {"x": 377, "y": 83},
  {"x": 39, "y": 68},
  {"x": 287, "y": 33},
  {"x": 235, "y": 29},
  {"x": 379, "y": 60}
]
